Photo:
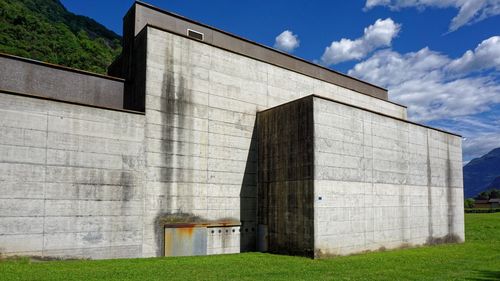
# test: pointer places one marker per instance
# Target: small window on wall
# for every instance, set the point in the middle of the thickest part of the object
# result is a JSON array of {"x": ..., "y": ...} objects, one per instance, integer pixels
[{"x": 195, "y": 34}]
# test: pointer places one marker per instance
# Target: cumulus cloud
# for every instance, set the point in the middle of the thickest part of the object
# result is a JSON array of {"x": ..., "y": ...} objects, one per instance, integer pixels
[
  {"x": 287, "y": 41},
  {"x": 377, "y": 35},
  {"x": 485, "y": 56},
  {"x": 440, "y": 90},
  {"x": 469, "y": 11},
  {"x": 481, "y": 133}
]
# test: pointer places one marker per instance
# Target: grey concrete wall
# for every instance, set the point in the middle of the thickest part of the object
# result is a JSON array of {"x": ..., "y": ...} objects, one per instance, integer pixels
[
  {"x": 25, "y": 76},
  {"x": 285, "y": 178},
  {"x": 71, "y": 179},
  {"x": 383, "y": 182},
  {"x": 201, "y": 103}
]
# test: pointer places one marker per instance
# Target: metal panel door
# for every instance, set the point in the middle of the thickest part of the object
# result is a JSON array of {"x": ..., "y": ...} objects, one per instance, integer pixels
[{"x": 185, "y": 241}]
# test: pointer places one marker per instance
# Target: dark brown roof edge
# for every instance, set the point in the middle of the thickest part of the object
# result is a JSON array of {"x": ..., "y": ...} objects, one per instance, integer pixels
[
  {"x": 61, "y": 67},
  {"x": 7, "y": 92},
  {"x": 255, "y": 43},
  {"x": 358, "y": 107}
]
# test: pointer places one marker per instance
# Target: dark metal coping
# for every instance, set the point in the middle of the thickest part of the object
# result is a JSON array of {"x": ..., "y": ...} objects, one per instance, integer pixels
[
  {"x": 35, "y": 78},
  {"x": 361, "y": 108},
  {"x": 61, "y": 67},
  {"x": 281, "y": 59},
  {"x": 7, "y": 92}
]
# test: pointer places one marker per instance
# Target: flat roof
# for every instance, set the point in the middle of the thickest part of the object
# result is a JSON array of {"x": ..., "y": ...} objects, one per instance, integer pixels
[
  {"x": 361, "y": 108},
  {"x": 143, "y": 14}
]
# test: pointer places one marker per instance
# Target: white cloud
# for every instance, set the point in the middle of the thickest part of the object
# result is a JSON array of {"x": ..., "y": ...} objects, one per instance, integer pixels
[
  {"x": 469, "y": 11},
  {"x": 481, "y": 133},
  {"x": 485, "y": 56},
  {"x": 375, "y": 36},
  {"x": 287, "y": 41},
  {"x": 440, "y": 90}
]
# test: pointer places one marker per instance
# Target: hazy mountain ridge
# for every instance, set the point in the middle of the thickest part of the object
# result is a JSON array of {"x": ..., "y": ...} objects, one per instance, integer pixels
[{"x": 482, "y": 173}]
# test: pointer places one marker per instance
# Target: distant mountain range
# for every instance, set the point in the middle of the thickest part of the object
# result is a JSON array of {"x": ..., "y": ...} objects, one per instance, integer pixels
[
  {"x": 44, "y": 30},
  {"x": 482, "y": 173}
]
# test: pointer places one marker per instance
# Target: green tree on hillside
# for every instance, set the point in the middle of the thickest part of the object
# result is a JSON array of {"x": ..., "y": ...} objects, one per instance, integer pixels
[
  {"x": 44, "y": 30},
  {"x": 489, "y": 194}
]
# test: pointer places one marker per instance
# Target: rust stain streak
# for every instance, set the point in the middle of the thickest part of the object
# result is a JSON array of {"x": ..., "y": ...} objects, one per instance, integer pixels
[
  {"x": 168, "y": 244},
  {"x": 185, "y": 231}
]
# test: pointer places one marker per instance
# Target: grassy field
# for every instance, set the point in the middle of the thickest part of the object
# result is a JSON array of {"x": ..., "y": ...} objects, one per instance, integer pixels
[{"x": 477, "y": 259}]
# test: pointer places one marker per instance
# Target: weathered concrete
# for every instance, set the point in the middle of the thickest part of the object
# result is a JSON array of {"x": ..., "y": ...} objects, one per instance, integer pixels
[
  {"x": 286, "y": 177},
  {"x": 70, "y": 179},
  {"x": 201, "y": 104},
  {"x": 25, "y": 76},
  {"x": 80, "y": 181},
  {"x": 379, "y": 182}
]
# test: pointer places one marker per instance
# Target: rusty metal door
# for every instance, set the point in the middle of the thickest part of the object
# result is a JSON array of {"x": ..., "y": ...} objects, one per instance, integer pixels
[{"x": 185, "y": 241}]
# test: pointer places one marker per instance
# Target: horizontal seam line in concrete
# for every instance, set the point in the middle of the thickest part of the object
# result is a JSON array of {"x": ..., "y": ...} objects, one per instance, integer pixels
[
  {"x": 211, "y": 145},
  {"x": 76, "y": 200},
  {"x": 201, "y": 104},
  {"x": 210, "y": 118},
  {"x": 89, "y": 248},
  {"x": 50, "y": 112},
  {"x": 7, "y": 92},
  {"x": 177, "y": 181},
  {"x": 74, "y": 216},
  {"x": 199, "y": 130},
  {"x": 64, "y": 232},
  {"x": 373, "y": 146},
  {"x": 206, "y": 118},
  {"x": 59, "y": 165},
  {"x": 206, "y": 157},
  {"x": 79, "y": 135}
]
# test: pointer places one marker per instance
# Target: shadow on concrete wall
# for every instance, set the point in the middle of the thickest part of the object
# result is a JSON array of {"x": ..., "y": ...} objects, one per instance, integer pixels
[{"x": 248, "y": 198}]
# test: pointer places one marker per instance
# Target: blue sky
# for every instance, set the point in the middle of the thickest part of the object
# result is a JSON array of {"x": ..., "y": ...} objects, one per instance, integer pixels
[{"x": 441, "y": 58}]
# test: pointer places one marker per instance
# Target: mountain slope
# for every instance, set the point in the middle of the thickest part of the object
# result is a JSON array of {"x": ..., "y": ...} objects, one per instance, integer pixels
[
  {"x": 44, "y": 30},
  {"x": 495, "y": 184},
  {"x": 481, "y": 172}
]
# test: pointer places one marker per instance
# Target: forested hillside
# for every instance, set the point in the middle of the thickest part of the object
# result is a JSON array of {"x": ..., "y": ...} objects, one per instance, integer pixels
[{"x": 44, "y": 30}]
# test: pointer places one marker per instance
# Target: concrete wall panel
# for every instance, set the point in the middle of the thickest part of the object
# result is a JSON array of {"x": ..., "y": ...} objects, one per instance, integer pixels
[
  {"x": 70, "y": 180},
  {"x": 383, "y": 182}
]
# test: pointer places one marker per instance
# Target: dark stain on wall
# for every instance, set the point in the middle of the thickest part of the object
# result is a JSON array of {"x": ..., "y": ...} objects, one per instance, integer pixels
[
  {"x": 164, "y": 218},
  {"x": 449, "y": 238},
  {"x": 449, "y": 193},
  {"x": 286, "y": 177},
  {"x": 177, "y": 110},
  {"x": 429, "y": 191},
  {"x": 248, "y": 195}
]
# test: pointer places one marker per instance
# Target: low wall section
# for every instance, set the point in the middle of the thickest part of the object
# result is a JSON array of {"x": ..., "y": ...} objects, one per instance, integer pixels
[{"x": 70, "y": 179}]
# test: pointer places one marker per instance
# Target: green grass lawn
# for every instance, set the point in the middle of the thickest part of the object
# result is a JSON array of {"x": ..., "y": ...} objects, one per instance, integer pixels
[{"x": 477, "y": 259}]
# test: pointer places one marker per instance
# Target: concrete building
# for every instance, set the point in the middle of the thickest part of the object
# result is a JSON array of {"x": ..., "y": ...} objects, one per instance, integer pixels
[{"x": 209, "y": 144}]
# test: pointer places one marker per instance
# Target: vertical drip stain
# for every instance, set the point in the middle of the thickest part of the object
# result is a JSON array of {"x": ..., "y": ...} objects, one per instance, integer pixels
[
  {"x": 429, "y": 191},
  {"x": 176, "y": 120},
  {"x": 449, "y": 194}
]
